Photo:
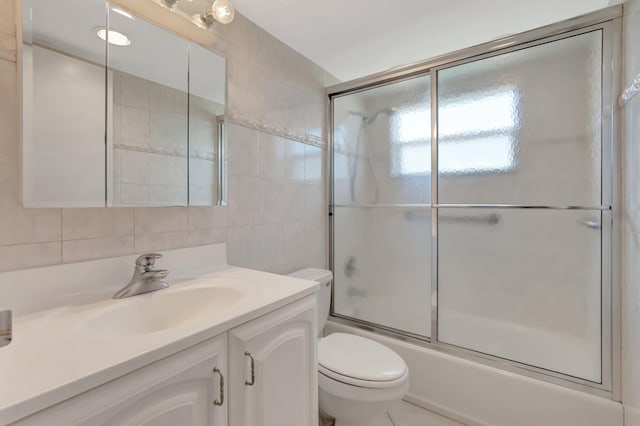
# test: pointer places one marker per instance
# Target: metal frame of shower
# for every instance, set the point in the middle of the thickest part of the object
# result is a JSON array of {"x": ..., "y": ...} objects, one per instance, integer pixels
[{"x": 609, "y": 21}]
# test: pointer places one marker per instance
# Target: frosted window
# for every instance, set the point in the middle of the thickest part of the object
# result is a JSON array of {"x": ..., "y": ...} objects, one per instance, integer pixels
[
  {"x": 411, "y": 126},
  {"x": 475, "y": 133},
  {"x": 490, "y": 111}
]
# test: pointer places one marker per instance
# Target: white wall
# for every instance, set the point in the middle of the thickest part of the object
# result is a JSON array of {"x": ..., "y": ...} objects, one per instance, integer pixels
[{"x": 631, "y": 226}]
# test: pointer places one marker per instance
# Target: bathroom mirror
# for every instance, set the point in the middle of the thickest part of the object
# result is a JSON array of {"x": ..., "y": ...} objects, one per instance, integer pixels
[{"x": 137, "y": 121}]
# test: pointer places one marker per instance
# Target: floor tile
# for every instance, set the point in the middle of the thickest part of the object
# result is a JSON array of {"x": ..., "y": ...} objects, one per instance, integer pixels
[{"x": 407, "y": 414}]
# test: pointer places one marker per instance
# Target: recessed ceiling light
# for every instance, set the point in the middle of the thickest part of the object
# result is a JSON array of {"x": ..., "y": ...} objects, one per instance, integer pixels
[
  {"x": 115, "y": 37},
  {"x": 123, "y": 13}
]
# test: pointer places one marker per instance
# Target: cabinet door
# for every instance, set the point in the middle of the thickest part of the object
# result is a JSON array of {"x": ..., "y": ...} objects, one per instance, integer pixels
[
  {"x": 281, "y": 346},
  {"x": 177, "y": 391}
]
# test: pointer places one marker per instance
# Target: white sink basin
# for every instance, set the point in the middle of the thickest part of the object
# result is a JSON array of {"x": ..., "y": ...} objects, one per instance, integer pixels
[{"x": 159, "y": 310}]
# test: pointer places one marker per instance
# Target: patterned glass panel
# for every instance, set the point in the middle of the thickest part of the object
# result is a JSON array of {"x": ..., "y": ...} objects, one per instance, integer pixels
[
  {"x": 382, "y": 140},
  {"x": 523, "y": 127},
  {"x": 381, "y": 161},
  {"x": 383, "y": 266},
  {"x": 522, "y": 284}
]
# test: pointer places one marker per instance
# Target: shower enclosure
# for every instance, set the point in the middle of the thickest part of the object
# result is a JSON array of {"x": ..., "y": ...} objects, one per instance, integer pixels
[{"x": 473, "y": 204}]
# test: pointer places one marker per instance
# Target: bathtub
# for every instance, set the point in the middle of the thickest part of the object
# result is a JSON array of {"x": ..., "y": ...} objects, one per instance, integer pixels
[{"x": 480, "y": 395}]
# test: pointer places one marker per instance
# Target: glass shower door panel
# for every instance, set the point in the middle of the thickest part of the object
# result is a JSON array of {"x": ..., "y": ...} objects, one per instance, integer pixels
[
  {"x": 523, "y": 284},
  {"x": 382, "y": 145},
  {"x": 523, "y": 127},
  {"x": 382, "y": 266},
  {"x": 381, "y": 198}
]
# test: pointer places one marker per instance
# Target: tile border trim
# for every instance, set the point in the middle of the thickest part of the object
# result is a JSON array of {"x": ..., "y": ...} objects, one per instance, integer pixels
[
  {"x": 261, "y": 126},
  {"x": 197, "y": 155}
]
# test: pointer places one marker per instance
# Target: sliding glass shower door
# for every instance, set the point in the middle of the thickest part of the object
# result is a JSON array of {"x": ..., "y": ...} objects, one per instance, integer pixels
[
  {"x": 472, "y": 205},
  {"x": 382, "y": 205},
  {"x": 526, "y": 285}
]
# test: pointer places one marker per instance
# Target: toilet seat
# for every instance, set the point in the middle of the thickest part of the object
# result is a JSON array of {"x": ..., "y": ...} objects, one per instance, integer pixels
[
  {"x": 351, "y": 381},
  {"x": 358, "y": 361},
  {"x": 350, "y": 392}
]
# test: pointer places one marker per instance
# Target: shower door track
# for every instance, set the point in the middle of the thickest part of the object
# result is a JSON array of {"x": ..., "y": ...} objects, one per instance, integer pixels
[{"x": 609, "y": 22}]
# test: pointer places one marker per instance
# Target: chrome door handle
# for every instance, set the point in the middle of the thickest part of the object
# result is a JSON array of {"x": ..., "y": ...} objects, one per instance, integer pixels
[
  {"x": 253, "y": 370},
  {"x": 592, "y": 223},
  {"x": 216, "y": 402}
]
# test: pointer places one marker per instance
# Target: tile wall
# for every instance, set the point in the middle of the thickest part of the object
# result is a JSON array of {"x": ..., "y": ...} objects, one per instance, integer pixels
[
  {"x": 276, "y": 202},
  {"x": 277, "y": 153},
  {"x": 275, "y": 217},
  {"x": 150, "y": 143}
]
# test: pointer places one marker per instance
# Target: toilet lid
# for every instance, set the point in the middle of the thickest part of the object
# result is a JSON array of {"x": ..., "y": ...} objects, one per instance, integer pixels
[{"x": 359, "y": 358}]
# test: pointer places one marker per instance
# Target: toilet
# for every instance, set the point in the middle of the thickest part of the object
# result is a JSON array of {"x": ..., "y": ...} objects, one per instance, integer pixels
[{"x": 359, "y": 379}]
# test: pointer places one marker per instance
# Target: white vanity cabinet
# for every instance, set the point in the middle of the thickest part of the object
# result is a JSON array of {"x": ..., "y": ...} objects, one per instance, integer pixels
[
  {"x": 272, "y": 361},
  {"x": 210, "y": 384},
  {"x": 178, "y": 390}
]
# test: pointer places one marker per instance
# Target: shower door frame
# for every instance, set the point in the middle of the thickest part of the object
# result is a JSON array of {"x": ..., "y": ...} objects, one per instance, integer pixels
[{"x": 609, "y": 21}]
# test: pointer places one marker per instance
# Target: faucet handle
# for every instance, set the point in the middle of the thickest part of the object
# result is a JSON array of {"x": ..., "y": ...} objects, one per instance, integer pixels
[{"x": 146, "y": 262}]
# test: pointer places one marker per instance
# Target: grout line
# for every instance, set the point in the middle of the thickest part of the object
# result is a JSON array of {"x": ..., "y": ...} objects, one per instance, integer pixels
[
  {"x": 61, "y": 221},
  {"x": 103, "y": 237},
  {"x": 390, "y": 419},
  {"x": 61, "y": 235},
  {"x": 432, "y": 412},
  {"x": 31, "y": 243},
  {"x": 135, "y": 234}
]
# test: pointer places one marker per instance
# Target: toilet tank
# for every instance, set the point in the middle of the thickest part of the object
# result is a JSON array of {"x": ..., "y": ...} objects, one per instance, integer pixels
[{"x": 323, "y": 277}]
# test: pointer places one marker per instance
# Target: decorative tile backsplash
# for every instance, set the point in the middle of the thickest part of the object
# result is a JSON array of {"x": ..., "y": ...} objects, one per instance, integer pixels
[{"x": 275, "y": 219}]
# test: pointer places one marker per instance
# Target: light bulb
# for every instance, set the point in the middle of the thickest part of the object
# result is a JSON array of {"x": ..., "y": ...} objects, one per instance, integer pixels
[{"x": 223, "y": 11}]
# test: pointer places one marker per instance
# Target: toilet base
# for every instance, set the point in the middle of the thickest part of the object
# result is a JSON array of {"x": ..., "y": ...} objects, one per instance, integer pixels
[{"x": 352, "y": 406}]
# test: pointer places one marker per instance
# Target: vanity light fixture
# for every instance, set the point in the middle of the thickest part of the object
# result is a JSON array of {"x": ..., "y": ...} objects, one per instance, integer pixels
[
  {"x": 220, "y": 11},
  {"x": 169, "y": 4},
  {"x": 116, "y": 38}
]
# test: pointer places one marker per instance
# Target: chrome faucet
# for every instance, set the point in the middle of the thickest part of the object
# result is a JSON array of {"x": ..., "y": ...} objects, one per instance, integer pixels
[{"x": 145, "y": 277}]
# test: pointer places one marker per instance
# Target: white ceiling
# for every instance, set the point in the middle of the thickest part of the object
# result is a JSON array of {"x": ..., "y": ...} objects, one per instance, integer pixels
[{"x": 354, "y": 38}]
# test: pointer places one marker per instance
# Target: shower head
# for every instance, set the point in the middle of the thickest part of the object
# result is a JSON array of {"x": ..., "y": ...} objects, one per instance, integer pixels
[
  {"x": 386, "y": 111},
  {"x": 368, "y": 120}
]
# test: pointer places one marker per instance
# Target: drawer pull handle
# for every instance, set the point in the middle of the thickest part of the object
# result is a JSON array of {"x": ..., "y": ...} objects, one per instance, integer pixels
[
  {"x": 253, "y": 370},
  {"x": 216, "y": 402}
]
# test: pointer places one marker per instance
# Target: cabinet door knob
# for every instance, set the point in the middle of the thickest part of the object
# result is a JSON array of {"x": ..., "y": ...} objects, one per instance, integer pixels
[
  {"x": 216, "y": 402},
  {"x": 253, "y": 370}
]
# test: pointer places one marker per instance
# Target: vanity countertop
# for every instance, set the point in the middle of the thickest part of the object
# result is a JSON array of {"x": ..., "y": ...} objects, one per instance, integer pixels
[{"x": 56, "y": 355}]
